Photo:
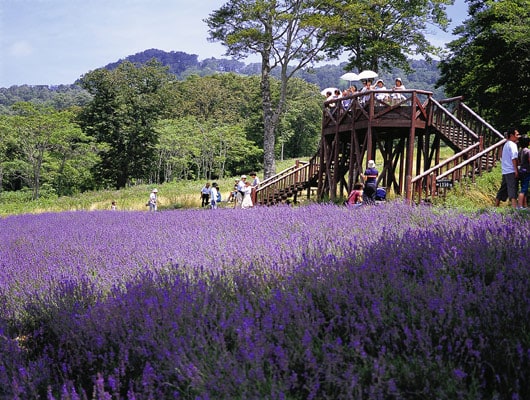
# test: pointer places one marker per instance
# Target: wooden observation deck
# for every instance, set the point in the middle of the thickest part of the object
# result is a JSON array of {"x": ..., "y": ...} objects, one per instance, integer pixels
[{"x": 404, "y": 137}]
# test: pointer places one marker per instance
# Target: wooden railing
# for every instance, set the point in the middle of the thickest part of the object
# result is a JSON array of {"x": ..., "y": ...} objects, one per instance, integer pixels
[
  {"x": 288, "y": 182},
  {"x": 465, "y": 165},
  {"x": 461, "y": 125},
  {"x": 369, "y": 105},
  {"x": 481, "y": 146}
]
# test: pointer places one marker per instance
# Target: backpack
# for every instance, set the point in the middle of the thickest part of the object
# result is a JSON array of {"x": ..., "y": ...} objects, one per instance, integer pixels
[
  {"x": 218, "y": 196},
  {"x": 380, "y": 194}
]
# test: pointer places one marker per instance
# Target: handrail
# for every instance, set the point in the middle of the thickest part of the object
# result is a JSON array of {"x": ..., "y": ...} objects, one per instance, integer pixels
[
  {"x": 444, "y": 163},
  {"x": 455, "y": 119},
  {"x": 425, "y": 183},
  {"x": 482, "y": 121},
  {"x": 286, "y": 171},
  {"x": 280, "y": 186},
  {"x": 472, "y": 159}
]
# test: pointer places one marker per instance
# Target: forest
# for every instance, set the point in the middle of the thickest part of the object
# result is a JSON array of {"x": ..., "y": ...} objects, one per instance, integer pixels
[{"x": 203, "y": 123}]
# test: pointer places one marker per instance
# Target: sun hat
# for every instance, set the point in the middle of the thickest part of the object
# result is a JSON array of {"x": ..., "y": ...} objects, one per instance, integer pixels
[
  {"x": 371, "y": 164},
  {"x": 243, "y": 177},
  {"x": 399, "y": 79},
  {"x": 379, "y": 80},
  {"x": 155, "y": 190}
]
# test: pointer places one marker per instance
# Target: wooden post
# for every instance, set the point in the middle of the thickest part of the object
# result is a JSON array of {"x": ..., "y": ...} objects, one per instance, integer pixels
[{"x": 410, "y": 151}]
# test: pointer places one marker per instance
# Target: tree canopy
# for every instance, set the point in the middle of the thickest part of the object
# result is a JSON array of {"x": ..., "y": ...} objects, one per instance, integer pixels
[
  {"x": 285, "y": 34},
  {"x": 383, "y": 34},
  {"x": 127, "y": 103},
  {"x": 489, "y": 63}
]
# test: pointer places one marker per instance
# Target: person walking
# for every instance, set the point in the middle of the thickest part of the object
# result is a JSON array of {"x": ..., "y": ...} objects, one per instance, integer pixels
[
  {"x": 509, "y": 167},
  {"x": 153, "y": 200}
]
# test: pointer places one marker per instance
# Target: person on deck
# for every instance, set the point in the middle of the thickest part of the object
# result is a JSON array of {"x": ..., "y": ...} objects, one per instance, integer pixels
[
  {"x": 397, "y": 97},
  {"x": 381, "y": 97}
]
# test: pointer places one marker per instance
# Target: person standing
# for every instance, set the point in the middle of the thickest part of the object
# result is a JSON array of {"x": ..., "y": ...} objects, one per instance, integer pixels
[
  {"x": 255, "y": 180},
  {"x": 205, "y": 195},
  {"x": 213, "y": 196},
  {"x": 509, "y": 167},
  {"x": 524, "y": 171},
  {"x": 370, "y": 183},
  {"x": 153, "y": 200},
  {"x": 397, "y": 97},
  {"x": 255, "y": 184},
  {"x": 240, "y": 193},
  {"x": 247, "y": 196}
]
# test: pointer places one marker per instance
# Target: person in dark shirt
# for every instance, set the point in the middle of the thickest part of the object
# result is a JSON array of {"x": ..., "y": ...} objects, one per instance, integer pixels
[{"x": 370, "y": 183}]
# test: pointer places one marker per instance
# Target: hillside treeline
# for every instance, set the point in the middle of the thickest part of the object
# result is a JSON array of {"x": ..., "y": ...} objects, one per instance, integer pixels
[
  {"x": 139, "y": 124},
  {"x": 182, "y": 65}
]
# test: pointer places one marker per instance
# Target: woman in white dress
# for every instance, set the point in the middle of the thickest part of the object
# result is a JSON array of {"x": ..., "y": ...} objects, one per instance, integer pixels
[{"x": 247, "y": 199}]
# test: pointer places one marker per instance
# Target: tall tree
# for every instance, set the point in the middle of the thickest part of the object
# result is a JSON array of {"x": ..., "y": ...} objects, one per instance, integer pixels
[
  {"x": 37, "y": 133},
  {"x": 286, "y": 34},
  {"x": 382, "y": 34},
  {"x": 489, "y": 63},
  {"x": 127, "y": 103}
]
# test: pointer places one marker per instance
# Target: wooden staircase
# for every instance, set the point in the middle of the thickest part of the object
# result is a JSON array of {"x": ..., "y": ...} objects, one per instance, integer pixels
[{"x": 477, "y": 146}]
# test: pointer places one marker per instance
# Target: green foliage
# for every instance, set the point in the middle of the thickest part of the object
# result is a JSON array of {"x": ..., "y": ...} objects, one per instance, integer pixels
[
  {"x": 44, "y": 144},
  {"x": 127, "y": 104},
  {"x": 489, "y": 63},
  {"x": 380, "y": 35}
]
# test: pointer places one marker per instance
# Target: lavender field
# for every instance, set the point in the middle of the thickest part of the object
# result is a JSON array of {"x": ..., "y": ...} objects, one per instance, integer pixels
[{"x": 316, "y": 302}]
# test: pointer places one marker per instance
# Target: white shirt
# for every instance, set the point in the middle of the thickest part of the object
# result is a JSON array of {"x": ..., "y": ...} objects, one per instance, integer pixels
[
  {"x": 213, "y": 194},
  {"x": 509, "y": 152}
]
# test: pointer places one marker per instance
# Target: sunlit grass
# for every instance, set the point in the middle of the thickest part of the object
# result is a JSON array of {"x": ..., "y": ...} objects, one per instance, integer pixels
[{"x": 186, "y": 194}]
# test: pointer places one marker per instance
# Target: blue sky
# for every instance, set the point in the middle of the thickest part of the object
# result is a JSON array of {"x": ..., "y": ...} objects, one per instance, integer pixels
[{"x": 49, "y": 42}]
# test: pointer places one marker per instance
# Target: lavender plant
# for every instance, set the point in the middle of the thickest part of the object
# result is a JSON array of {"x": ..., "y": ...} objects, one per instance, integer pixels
[{"x": 272, "y": 303}]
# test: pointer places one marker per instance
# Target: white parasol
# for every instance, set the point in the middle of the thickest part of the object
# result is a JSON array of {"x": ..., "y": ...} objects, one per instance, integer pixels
[
  {"x": 329, "y": 89},
  {"x": 350, "y": 76},
  {"x": 367, "y": 74}
]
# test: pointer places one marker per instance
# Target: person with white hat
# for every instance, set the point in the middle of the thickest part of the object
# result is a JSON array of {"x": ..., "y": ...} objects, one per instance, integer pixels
[
  {"x": 397, "y": 97},
  {"x": 370, "y": 183},
  {"x": 241, "y": 185},
  {"x": 153, "y": 197},
  {"x": 382, "y": 97}
]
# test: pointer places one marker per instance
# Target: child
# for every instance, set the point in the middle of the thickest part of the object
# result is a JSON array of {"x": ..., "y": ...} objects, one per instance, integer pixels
[{"x": 356, "y": 196}]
